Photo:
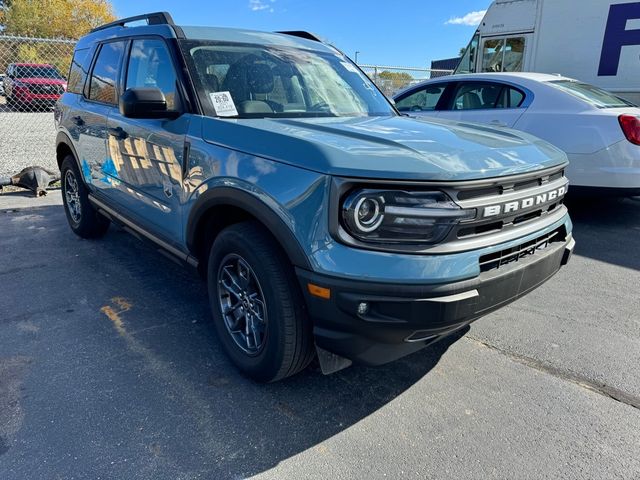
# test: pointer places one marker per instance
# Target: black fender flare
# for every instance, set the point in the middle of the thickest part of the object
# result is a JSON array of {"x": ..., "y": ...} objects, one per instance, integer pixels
[
  {"x": 63, "y": 138},
  {"x": 235, "y": 197}
]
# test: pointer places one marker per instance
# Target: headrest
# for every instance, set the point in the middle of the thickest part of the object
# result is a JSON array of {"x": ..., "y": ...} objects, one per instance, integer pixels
[{"x": 259, "y": 78}]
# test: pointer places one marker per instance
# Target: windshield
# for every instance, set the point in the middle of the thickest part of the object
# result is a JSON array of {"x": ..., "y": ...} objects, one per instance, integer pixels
[
  {"x": 280, "y": 82},
  {"x": 35, "y": 71},
  {"x": 591, "y": 94},
  {"x": 468, "y": 61}
]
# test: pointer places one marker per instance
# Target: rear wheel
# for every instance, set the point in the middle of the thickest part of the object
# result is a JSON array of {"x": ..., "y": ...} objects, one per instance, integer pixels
[
  {"x": 257, "y": 305},
  {"x": 83, "y": 219}
]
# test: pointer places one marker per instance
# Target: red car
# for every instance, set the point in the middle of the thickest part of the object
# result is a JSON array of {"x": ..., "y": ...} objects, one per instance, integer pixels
[{"x": 29, "y": 86}]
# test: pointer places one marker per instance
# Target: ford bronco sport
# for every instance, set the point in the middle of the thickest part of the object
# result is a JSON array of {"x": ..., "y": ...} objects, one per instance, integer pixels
[{"x": 323, "y": 220}]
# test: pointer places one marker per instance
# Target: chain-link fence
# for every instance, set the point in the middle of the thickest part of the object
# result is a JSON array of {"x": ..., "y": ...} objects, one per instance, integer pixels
[
  {"x": 393, "y": 79},
  {"x": 33, "y": 77},
  {"x": 32, "y": 72}
]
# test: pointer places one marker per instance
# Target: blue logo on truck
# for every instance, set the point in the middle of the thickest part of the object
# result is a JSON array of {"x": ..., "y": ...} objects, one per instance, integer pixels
[{"x": 617, "y": 36}]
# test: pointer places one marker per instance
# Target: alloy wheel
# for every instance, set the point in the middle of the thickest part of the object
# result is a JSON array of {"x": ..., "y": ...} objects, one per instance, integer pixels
[
  {"x": 242, "y": 304},
  {"x": 72, "y": 196}
]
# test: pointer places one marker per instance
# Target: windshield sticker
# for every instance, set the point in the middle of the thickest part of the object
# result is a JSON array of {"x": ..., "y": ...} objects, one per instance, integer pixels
[{"x": 223, "y": 104}]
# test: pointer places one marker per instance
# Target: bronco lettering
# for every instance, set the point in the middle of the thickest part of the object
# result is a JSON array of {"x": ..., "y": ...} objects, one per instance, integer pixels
[{"x": 510, "y": 207}]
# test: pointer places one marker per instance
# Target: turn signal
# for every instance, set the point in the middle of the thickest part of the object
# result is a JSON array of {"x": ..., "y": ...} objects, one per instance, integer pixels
[{"x": 317, "y": 291}]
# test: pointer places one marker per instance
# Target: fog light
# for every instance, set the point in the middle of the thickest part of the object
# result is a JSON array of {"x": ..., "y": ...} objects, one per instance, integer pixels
[{"x": 363, "y": 308}]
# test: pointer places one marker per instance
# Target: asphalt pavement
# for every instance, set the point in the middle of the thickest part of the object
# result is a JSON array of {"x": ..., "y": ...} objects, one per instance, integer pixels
[{"x": 110, "y": 369}]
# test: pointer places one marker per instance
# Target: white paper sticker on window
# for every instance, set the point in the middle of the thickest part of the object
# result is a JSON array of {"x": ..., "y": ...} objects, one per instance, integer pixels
[{"x": 223, "y": 104}]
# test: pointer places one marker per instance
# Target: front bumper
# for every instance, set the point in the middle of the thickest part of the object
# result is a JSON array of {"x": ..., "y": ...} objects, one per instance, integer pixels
[
  {"x": 27, "y": 97},
  {"x": 401, "y": 319}
]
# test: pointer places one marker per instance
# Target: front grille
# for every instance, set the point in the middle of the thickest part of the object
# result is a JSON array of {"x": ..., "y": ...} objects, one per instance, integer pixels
[
  {"x": 501, "y": 259},
  {"x": 46, "y": 89},
  {"x": 519, "y": 201}
]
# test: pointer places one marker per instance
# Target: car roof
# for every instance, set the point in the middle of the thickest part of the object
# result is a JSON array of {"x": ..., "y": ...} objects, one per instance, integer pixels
[
  {"x": 220, "y": 34},
  {"x": 525, "y": 79}
]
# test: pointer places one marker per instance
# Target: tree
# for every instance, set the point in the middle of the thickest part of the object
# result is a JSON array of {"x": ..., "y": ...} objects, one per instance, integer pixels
[
  {"x": 391, "y": 82},
  {"x": 396, "y": 77},
  {"x": 53, "y": 18}
]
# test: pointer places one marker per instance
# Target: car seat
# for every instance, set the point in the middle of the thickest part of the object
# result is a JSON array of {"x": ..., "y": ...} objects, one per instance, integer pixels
[
  {"x": 246, "y": 79},
  {"x": 471, "y": 101}
]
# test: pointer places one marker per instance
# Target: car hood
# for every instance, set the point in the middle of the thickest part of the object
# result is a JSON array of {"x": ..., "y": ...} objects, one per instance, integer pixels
[
  {"x": 42, "y": 81},
  {"x": 395, "y": 147}
]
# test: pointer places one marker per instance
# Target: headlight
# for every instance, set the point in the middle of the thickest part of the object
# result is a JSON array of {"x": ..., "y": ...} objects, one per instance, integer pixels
[{"x": 396, "y": 216}]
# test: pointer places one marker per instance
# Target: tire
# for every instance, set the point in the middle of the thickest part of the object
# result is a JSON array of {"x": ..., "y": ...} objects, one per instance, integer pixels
[
  {"x": 83, "y": 219},
  {"x": 281, "y": 342}
]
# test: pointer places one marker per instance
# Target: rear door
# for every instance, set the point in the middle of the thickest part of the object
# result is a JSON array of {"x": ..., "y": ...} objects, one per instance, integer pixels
[
  {"x": 89, "y": 123},
  {"x": 147, "y": 154},
  {"x": 493, "y": 103}
]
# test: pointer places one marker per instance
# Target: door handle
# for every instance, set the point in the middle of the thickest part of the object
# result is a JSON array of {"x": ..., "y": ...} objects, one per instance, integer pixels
[
  {"x": 78, "y": 120},
  {"x": 498, "y": 123},
  {"x": 119, "y": 133}
]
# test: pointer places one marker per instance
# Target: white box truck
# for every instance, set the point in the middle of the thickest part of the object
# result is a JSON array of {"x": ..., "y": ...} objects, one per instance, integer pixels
[{"x": 596, "y": 41}]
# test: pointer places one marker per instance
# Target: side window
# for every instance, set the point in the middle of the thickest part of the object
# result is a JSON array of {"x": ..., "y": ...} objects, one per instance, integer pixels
[
  {"x": 422, "y": 100},
  {"x": 515, "y": 98},
  {"x": 484, "y": 95},
  {"x": 513, "y": 54},
  {"x": 476, "y": 96},
  {"x": 468, "y": 61},
  {"x": 77, "y": 71},
  {"x": 103, "y": 78},
  {"x": 150, "y": 65},
  {"x": 503, "y": 54},
  {"x": 492, "y": 52}
]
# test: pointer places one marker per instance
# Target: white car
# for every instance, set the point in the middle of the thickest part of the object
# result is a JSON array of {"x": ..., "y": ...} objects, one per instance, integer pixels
[{"x": 599, "y": 132}]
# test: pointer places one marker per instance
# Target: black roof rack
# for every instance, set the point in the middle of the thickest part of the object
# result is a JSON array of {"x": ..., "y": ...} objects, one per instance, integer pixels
[
  {"x": 302, "y": 34},
  {"x": 156, "y": 18}
]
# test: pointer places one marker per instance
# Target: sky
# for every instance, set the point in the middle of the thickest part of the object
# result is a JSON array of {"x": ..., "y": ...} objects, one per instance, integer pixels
[{"x": 402, "y": 33}]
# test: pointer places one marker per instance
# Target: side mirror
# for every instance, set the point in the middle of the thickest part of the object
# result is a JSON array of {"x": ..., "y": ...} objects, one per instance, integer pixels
[{"x": 145, "y": 103}]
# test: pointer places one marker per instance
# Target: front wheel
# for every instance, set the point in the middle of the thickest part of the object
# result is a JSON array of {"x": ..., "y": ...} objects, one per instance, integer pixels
[
  {"x": 257, "y": 305},
  {"x": 83, "y": 219}
]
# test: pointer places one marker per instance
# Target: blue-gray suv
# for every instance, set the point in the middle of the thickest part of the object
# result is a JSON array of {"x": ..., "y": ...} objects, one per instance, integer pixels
[{"x": 323, "y": 221}]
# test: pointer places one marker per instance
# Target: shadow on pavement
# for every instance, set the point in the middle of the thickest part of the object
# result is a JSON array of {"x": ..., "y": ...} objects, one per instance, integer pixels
[
  {"x": 124, "y": 363},
  {"x": 607, "y": 229}
]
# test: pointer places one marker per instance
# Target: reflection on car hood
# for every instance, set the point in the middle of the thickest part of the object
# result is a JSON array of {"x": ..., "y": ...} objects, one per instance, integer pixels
[{"x": 387, "y": 147}]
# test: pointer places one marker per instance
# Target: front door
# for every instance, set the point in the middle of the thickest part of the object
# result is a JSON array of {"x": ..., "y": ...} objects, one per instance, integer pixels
[{"x": 147, "y": 154}]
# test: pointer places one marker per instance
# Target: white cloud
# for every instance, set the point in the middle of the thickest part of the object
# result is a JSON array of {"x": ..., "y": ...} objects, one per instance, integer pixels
[
  {"x": 471, "y": 19},
  {"x": 258, "y": 5}
]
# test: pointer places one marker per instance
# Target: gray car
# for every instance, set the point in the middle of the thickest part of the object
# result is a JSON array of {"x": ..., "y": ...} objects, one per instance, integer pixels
[{"x": 323, "y": 221}]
